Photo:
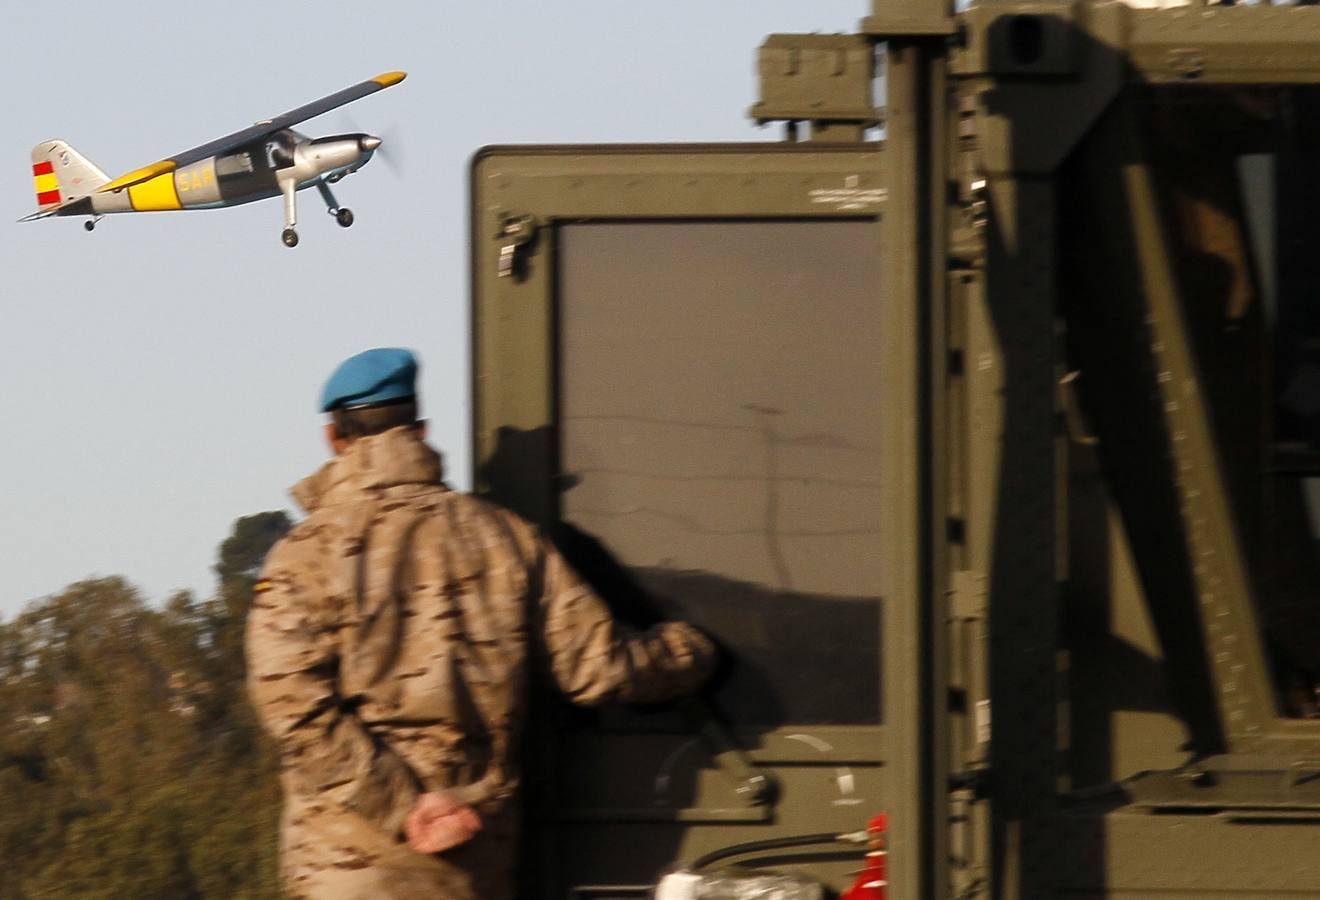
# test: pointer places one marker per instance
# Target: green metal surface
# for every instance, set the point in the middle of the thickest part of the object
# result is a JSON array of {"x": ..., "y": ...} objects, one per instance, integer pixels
[
  {"x": 674, "y": 791},
  {"x": 1077, "y": 697},
  {"x": 913, "y": 129},
  {"x": 1246, "y": 704},
  {"x": 824, "y": 79}
]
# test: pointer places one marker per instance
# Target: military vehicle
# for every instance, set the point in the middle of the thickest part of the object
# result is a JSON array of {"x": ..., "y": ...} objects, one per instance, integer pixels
[{"x": 983, "y": 430}]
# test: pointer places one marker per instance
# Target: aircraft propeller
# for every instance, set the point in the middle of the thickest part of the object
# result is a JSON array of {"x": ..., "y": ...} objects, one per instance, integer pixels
[{"x": 390, "y": 151}]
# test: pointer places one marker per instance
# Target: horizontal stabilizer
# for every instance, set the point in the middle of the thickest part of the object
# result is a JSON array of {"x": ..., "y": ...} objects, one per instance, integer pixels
[{"x": 49, "y": 210}]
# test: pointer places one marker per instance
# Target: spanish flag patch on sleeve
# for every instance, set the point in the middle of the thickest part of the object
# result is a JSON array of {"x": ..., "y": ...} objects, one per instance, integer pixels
[{"x": 262, "y": 586}]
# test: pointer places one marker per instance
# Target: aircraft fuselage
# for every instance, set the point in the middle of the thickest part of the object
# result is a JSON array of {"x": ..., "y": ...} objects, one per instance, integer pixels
[{"x": 255, "y": 171}]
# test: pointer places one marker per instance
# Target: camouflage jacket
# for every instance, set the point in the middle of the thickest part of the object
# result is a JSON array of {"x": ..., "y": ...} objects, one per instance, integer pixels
[{"x": 390, "y": 644}]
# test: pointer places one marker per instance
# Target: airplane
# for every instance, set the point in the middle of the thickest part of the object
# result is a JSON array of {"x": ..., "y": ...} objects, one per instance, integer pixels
[{"x": 268, "y": 159}]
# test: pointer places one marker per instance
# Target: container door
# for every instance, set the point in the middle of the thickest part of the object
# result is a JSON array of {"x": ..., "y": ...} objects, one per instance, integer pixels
[{"x": 680, "y": 366}]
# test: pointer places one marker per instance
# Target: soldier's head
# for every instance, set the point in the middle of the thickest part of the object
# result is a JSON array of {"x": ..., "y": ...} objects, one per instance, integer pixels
[{"x": 370, "y": 393}]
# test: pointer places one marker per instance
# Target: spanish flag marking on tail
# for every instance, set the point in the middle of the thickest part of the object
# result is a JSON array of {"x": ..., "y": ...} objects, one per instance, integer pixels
[{"x": 48, "y": 188}]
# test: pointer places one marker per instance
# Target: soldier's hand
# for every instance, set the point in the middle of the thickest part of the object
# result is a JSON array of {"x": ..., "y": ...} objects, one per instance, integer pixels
[{"x": 437, "y": 823}]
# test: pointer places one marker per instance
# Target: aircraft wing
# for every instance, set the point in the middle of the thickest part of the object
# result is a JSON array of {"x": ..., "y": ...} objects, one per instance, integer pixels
[{"x": 256, "y": 132}]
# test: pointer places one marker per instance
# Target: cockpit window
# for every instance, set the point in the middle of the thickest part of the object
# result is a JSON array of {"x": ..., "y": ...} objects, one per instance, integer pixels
[{"x": 279, "y": 150}]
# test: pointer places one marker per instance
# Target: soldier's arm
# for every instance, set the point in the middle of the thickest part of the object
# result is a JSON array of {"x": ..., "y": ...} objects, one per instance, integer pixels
[
  {"x": 292, "y": 680},
  {"x": 596, "y": 660}
]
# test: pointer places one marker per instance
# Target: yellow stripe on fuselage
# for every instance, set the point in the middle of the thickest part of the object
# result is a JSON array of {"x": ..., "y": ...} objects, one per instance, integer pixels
[
  {"x": 47, "y": 182},
  {"x": 156, "y": 194},
  {"x": 137, "y": 176}
]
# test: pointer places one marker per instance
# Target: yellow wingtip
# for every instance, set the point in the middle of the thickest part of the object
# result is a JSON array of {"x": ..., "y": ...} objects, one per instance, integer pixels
[
  {"x": 137, "y": 176},
  {"x": 389, "y": 79}
]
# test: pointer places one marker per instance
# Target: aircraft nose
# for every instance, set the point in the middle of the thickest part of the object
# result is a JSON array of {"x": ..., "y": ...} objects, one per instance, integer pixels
[{"x": 368, "y": 142}]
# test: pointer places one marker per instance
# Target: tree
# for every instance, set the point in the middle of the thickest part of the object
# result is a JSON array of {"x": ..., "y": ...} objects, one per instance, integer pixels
[
  {"x": 243, "y": 551},
  {"x": 130, "y": 762}
]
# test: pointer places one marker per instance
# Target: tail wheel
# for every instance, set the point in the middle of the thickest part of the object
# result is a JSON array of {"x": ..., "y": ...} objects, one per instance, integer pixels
[
  {"x": 344, "y": 216},
  {"x": 89, "y": 225},
  {"x": 290, "y": 237}
]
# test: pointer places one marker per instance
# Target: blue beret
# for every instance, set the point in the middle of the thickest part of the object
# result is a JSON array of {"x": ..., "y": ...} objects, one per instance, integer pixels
[{"x": 371, "y": 377}]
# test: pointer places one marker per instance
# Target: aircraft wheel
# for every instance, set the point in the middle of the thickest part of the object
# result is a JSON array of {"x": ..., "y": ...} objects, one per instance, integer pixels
[
  {"x": 290, "y": 237},
  {"x": 89, "y": 225},
  {"x": 344, "y": 216}
]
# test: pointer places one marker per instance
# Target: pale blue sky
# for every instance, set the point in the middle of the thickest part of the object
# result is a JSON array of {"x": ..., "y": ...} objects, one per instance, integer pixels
[{"x": 160, "y": 375}]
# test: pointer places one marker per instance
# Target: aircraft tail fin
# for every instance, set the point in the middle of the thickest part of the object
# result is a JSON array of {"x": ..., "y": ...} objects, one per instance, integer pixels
[{"x": 62, "y": 174}]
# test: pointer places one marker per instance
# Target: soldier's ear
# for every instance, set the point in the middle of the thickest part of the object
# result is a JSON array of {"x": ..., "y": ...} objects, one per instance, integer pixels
[
  {"x": 421, "y": 428},
  {"x": 333, "y": 440}
]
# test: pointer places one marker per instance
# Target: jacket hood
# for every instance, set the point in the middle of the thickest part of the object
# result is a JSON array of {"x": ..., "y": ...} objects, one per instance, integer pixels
[{"x": 373, "y": 463}]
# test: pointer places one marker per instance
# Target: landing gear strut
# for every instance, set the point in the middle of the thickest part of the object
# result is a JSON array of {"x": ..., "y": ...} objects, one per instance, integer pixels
[
  {"x": 343, "y": 215},
  {"x": 289, "y": 188}
]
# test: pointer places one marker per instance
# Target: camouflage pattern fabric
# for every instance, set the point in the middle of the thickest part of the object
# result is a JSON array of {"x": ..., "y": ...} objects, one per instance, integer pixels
[{"x": 389, "y": 650}]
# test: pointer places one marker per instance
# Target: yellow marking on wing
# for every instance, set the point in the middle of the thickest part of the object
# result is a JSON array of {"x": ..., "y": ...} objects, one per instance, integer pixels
[
  {"x": 155, "y": 194},
  {"x": 389, "y": 79},
  {"x": 137, "y": 176},
  {"x": 47, "y": 182}
]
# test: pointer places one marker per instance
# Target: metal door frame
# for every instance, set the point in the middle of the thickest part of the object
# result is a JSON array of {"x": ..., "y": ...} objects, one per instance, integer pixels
[{"x": 519, "y": 195}]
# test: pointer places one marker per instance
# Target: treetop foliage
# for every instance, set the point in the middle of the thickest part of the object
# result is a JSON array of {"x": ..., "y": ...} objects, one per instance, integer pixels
[
  {"x": 130, "y": 762},
  {"x": 252, "y": 536}
]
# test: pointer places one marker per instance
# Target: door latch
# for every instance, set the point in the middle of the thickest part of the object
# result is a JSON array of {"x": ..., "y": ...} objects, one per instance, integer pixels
[
  {"x": 517, "y": 233},
  {"x": 976, "y": 203},
  {"x": 751, "y": 785}
]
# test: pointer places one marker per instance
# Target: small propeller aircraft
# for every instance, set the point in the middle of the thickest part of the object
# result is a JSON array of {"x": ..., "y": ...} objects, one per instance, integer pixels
[{"x": 268, "y": 159}]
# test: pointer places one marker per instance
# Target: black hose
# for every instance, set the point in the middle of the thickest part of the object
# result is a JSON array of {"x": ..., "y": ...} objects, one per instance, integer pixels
[{"x": 801, "y": 840}]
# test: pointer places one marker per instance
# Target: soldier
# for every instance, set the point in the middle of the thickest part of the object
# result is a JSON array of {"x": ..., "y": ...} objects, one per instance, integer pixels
[{"x": 390, "y": 644}]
